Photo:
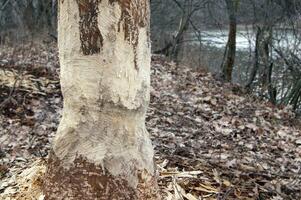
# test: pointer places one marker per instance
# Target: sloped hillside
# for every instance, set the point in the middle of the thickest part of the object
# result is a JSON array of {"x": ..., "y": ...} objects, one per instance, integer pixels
[
  {"x": 239, "y": 147},
  {"x": 212, "y": 140}
]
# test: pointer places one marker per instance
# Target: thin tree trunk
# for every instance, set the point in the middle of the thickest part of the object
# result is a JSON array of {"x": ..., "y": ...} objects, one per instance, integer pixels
[
  {"x": 271, "y": 89},
  {"x": 102, "y": 149},
  {"x": 228, "y": 64},
  {"x": 256, "y": 59},
  {"x": 266, "y": 79},
  {"x": 173, "y": 48}
]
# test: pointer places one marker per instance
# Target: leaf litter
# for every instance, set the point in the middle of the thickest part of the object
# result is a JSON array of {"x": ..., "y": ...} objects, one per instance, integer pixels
[{"x": 212, "y": 140}]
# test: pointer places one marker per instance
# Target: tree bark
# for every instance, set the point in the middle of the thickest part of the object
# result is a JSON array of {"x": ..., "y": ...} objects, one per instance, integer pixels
[
  {"x": 228, "y": 64},
  {"x": 256, "y": 59},
  {"x": 266, "y": 78},
  {"x": 102, "y": 149}
]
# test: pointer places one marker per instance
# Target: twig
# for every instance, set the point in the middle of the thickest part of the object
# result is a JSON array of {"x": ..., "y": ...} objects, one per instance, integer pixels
[
  {"x": 176, "y": 188},
  {"x": 228, "y": 192},
  {"x": 10, "y": 94},
  {"x": 4, "y": 5}
]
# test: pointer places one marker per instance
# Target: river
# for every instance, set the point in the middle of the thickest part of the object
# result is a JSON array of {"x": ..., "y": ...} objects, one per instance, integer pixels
[{"x": 245, "y": 40}]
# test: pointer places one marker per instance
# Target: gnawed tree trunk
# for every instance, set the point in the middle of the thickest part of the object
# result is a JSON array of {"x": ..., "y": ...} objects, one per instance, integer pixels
[{"x": 102, "y": 149}]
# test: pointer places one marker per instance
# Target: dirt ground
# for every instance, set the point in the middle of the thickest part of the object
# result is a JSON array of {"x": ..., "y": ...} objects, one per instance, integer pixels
[{"x": 212, "y": 140}]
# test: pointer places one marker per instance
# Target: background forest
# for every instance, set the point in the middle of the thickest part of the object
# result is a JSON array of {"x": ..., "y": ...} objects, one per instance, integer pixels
[
  {"x": 224, "y": 115},
  {"x": 256, "y": 42}
]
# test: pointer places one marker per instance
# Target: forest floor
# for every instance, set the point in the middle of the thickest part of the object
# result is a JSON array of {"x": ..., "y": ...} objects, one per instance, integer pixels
[{"x": 212, "y": 140}]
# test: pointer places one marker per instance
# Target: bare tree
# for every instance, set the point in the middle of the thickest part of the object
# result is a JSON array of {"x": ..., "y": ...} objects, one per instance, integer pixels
[
  {"x": 187, "y": 9},
  {"x": 230, "y": 51}
]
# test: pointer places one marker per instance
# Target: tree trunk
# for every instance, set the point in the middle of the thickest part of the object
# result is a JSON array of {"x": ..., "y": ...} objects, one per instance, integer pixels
[
  {"x": 102, "y": 149},
  {"x": 228, "y": 64},
  {"x": 265, "y": 51},
  {"x": 173, "y": 48},
  {"x": 256, "y": 59}
]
